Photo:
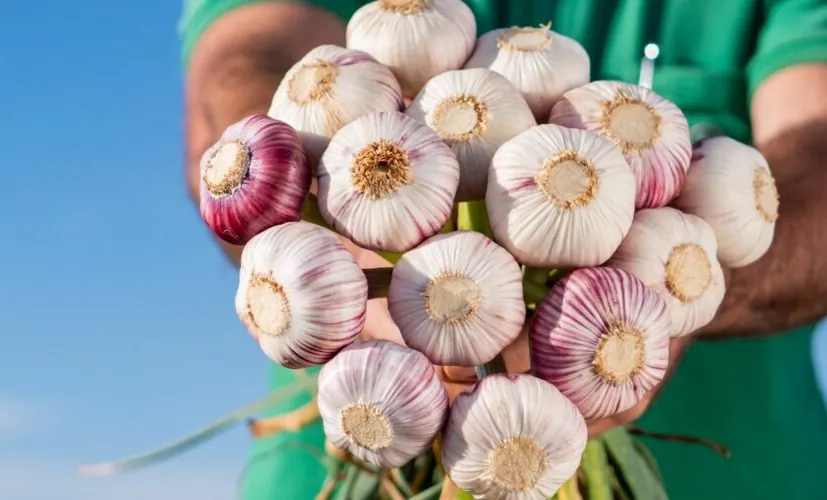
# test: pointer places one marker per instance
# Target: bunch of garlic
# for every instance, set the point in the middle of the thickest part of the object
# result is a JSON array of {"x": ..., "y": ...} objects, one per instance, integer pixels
[
  {"x": 398, "y": 33},
  {"x": 675, "y": 254},
  {"x": 330, "y": 87},
  {"x": 731, "y": 187},
  {"x": 541, "y": 63},
  {"x": 474, "y": 111}
]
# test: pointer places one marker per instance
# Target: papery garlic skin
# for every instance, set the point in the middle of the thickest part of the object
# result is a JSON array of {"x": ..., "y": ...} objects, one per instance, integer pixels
[
  {"x": 512, "y": 436},
  {"x": 675, "y": 254},
  {"x": 255, "y": 176},
  {"x": 330, "y": 87},
  {"x": 382, "y": 402},
  {"x": 559, "y": 197},
  {"x": 541, "y": 63},
  {"x": 457, "y": 298},
  {"x": 387, "y": 182},
  {"x": 474, "y": 111},
  {"x": 602, "y": 338},
  {"x": 398, "y": 33},
  {"x": 300, "y": 294},
  {"x": 730, "y": 186},
  {"x": 652, "y": 133}
]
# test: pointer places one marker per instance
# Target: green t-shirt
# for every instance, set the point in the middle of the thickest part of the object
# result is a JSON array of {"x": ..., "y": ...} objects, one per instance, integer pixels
[{"x": 757, "y": 397}]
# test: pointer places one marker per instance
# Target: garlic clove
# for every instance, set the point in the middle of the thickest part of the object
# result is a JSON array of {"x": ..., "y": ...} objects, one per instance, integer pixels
[
  {"x": 300, "y": 294},
  {"x": 474, "y": 111},
  {"x": 730, "y": 186},
  {"x": 457, "y": 298},
  {"x": 601, "y": 337},
  {"x": 255, "y": 176},
  {"x": 541, "y": 63},
  {"x": 559, "y": 197},
  {"x": 330, "y": 87},
  {"x": 512, "y": 436},
  {"x": 651, "y": 131},
  {"x": 398, "y": 33},
  {"x": 382, "y": 402},
  {"x": 675, "y": 254},
  {"x": 387, "y": 182}
]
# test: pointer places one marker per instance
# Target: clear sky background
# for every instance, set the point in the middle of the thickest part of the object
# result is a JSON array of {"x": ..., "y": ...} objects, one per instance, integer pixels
[{"x": 116, "y": 309}]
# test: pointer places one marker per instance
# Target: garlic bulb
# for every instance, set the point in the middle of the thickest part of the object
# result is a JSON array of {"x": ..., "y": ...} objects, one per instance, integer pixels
[
  {"x": 382, "y": 402},
  {"x": 398, "y": 34},
  {"x": 256, "y": 176},
  {"x": 541, "y": 63},
  {"x": 387, "y": 182},
  {"x": 512, "y": 436},
  {"x": 559, "y": 197},
  {"x": 674, "y": 254},
  {"x": 651, "y": 131},
  {"x": 330, "y": 87},
  {"x": 602, "y": 338},
  {"x": 457, "y": 298},
  {"x": 474, "y": 111},
  {"x": 731, "y": 187},
  {"x": 300, "y": 294}
]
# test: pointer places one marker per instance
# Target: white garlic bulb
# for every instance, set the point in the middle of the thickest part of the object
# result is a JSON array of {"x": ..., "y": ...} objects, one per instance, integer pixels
[
  {"x": 560, "y": 197},
  {"x": 300, "y": 294},
  {"x": 382, "y": 402},
  {"x": 541, "y": 63},
  {"x": 457, "y": 298},
  {"x": 512, "y": 437},
  {"x": 474, "y": 111},
  {"x": 731, "y": 187},
  {"x": 327, "y": 89},
  {"x": 675, "y": 254},
  {"x": 652, "y": 133},
  {"x": 398, "y": 33},
  {"x": 387, "y": 182},
  {"x": 601, "y": 337}
]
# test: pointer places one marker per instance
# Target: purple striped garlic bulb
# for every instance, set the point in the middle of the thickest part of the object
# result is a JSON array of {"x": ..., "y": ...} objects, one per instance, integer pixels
[
  {"x": 382, "y": 402},
  {"x": 300, "y": 294},
  {"x": 602, "y": 338},
  {"x": 387, "y": 182},
  {"x": 560, "y": 197},
  {"x": 457, "y": 298},
  {"x": 652, "y": 133},
  {"x": 731, "y": 187},
  {"x": 675, "y": 254},
  {"x": 254, "y": 177},
  {"x": 474, "y": 111},
  {"x": 330, "y": 87},
  {"x": 512, "y": 436}
]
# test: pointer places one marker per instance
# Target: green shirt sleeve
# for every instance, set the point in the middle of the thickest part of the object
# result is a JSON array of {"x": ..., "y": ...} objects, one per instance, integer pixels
[{"x": 795, "y": 32}]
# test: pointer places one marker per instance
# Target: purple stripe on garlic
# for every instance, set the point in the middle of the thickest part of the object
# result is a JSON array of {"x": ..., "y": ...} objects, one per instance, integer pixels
[
  {"x": 300, "y": 294},
  {"x": 512, "y": 436},
  {"x": 387, "y": 182},
  {"x": 675, "y": 254},
  {"x": 474, "y": 111},
  {"x": 652, "y": 133},
  {"x": 457, "y": 298},
  {"x": 382, "y": 402},
  {"x": 730, "y": 186},
  {"x": 255, "y": 176},
  {"x": 560, "y": 197},
  {"x": 330, "y": 87},
  {"x": 601, "y": 337},
  {"x": 398, "y": 33},
  {"x": 541, "y": 63}
]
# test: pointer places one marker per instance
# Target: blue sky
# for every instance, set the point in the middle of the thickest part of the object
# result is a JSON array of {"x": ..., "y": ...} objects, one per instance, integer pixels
[{"x": 116, "y": 309}]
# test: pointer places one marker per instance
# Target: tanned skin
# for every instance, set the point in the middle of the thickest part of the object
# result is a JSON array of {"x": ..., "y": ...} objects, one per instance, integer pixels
[{"x": 242, "y": 57}]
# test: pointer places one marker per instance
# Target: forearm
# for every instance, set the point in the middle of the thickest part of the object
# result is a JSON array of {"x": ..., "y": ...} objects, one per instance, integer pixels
[{"x": 787, "y": 287}]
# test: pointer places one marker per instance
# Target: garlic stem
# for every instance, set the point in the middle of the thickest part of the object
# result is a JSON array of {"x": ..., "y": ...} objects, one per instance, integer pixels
[{"x": 293, "y": 421}]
